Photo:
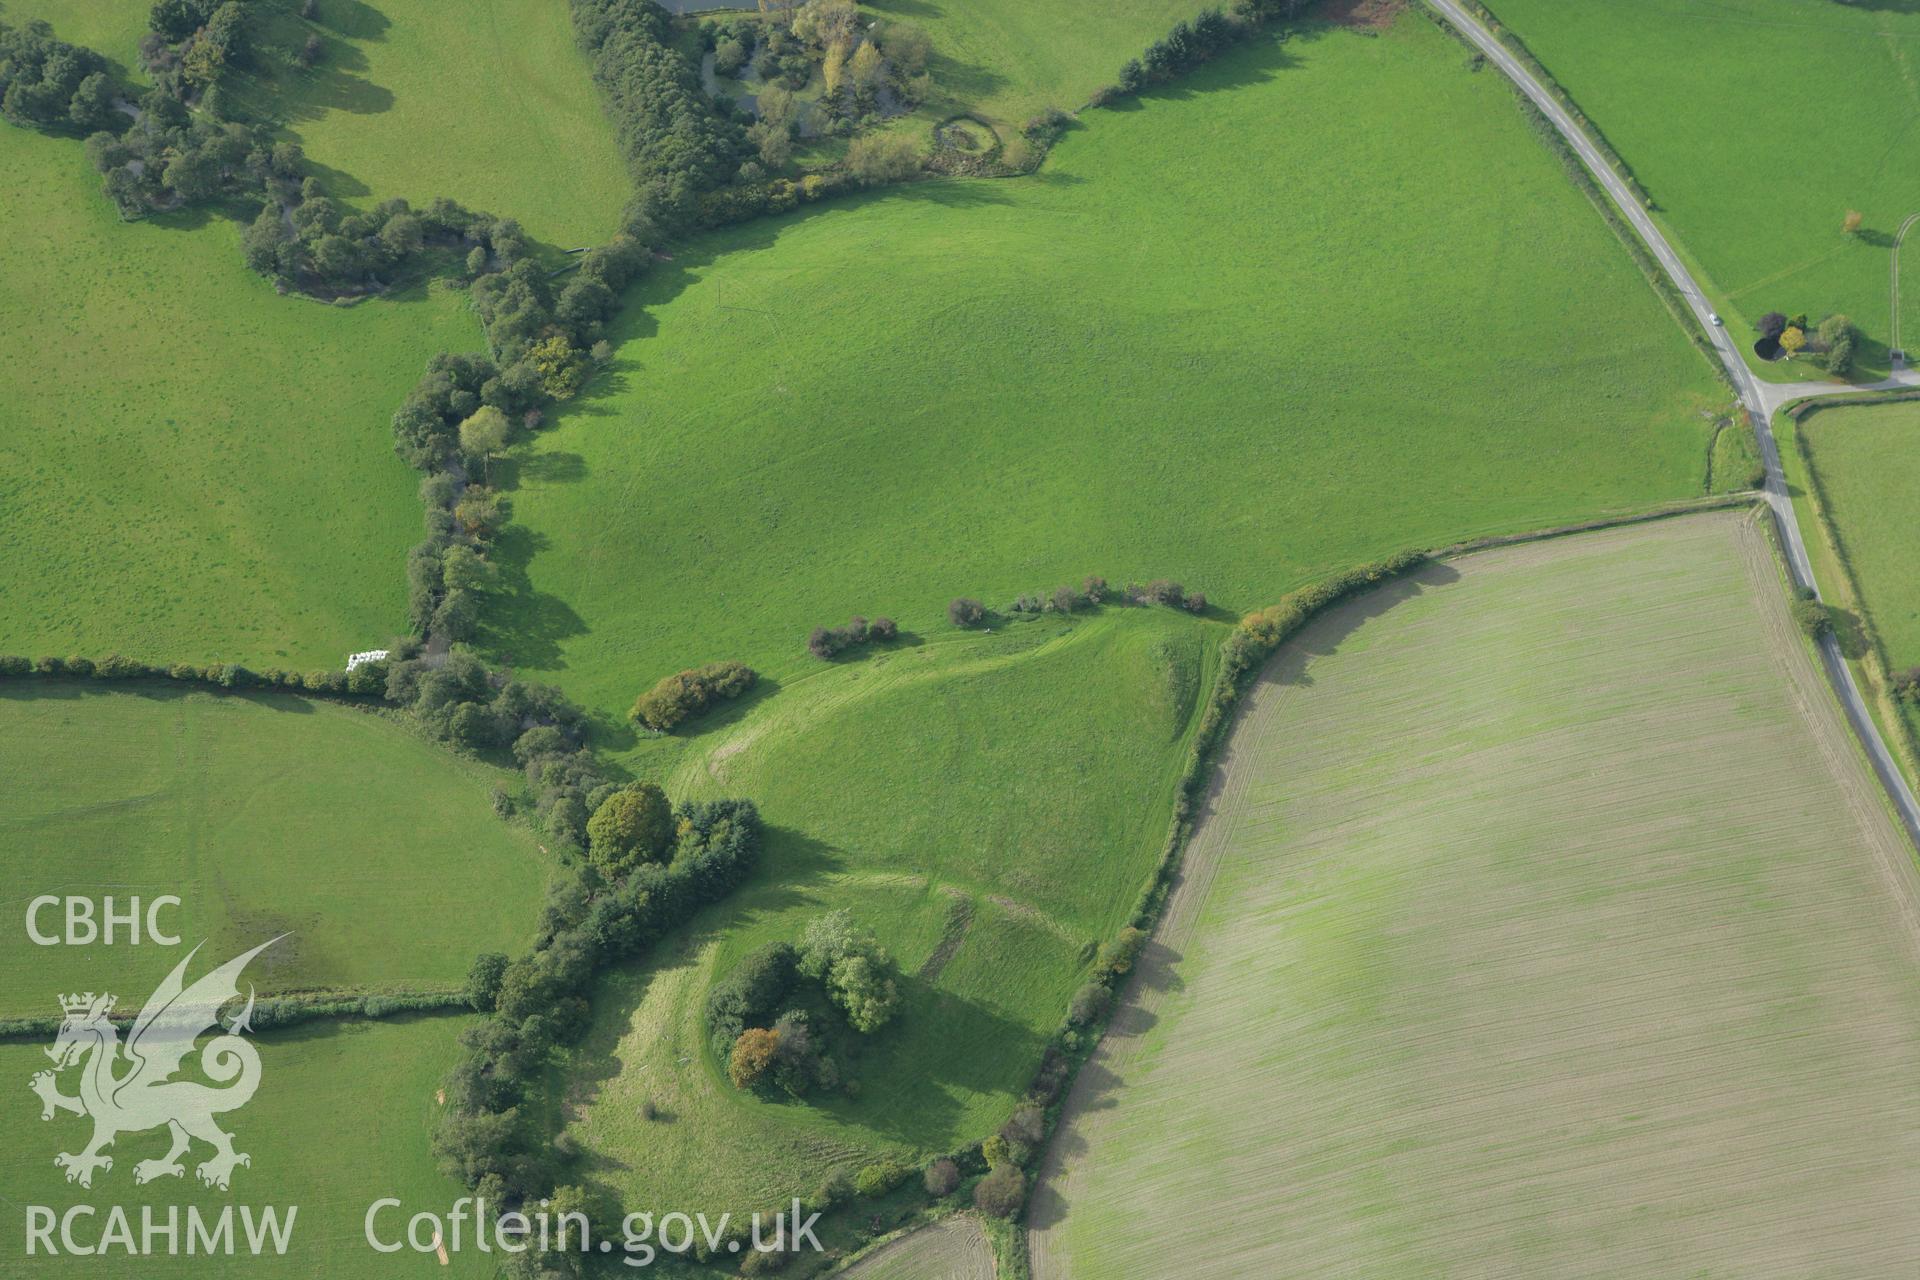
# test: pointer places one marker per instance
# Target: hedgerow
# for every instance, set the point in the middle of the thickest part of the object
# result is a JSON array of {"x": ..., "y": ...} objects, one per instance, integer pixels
[{"x": 495, "y": 1134}]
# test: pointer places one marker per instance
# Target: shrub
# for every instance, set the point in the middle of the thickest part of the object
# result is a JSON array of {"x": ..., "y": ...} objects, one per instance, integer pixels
[
  {"x": 679, "y": 697},
  {"x": 883, "y": 629},
  {"x": 1166, "y": 591},
  {"x": 877, "y": 158},
  {"x": 1094, "y": 588},
  {"x": 826, "y": 642},
  {"x": 1813, "y": 617},
  {"x": 1906, "y": 685},
  {"x": 859, "y": 974},
  {"x": 1001, "y": 1192},
  {"x": 1090, "y": 1004},
  {"x": 1265, "y": 630},
  {"x": 835, "y": 1188},
  {"x": 483, "y": 979},
  {"x": 1117, "y": 957},
  {"x": 753, "y": 1053},
  {"x": 1194, "y": 602},
  {"x": 631, "y": 826},
  {"x": 880, "y": 1177},
  {"x": 964, "y": 611},
  {"x": 1026, "y": 1126},
  {"x": 942, "y": 1176},
  {"x": 751, "y": 993},
  {"x": 764, "y": 1262}
]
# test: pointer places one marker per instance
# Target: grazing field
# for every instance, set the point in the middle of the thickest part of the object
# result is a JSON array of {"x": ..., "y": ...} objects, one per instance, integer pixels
[
  {"x": 1729, "y": 115},
  {"x": 1868, "y": 461},
  {"x": 988, "y": 388},
  {"x": 1544, "y": 922},
  {"x": 266, "y": 815},
  {"x": 488, "y": 102},
  {"x": 192, "y": 468},
  {"x": 1005, "y": 62},
  {"x": 991, "y": 388},
  {"x": 343, "y": 1117},
  {"x": 952, "y": 1249},
  {"x": 990, "y": 807},
  {"x": 110, "y": 27}
]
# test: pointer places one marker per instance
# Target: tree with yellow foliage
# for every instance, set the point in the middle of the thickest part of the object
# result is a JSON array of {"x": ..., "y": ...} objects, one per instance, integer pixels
[
  {"x": 1792, "y": 340},
  {"x": 867, "y": 69},
  {"x": 833, "y": 71}
]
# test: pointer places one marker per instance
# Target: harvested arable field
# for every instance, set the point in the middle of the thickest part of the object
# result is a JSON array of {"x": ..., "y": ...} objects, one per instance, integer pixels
[{"x": 1543, "y": 922}]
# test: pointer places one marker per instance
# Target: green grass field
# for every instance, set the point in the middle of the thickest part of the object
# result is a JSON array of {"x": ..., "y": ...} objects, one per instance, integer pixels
[
  {"x": 343, "y": 1117},
  {"x": 488, "y": 102},
  {"x": 1733, "y": 117},
  {"x": 1545, "y": 922},
  {"x": 1005, "y": 62},
  {"x": 110, "y": 27},
  {"x": 265, "y": 815},
  {"x": 984, "y": 388},
  {"x": 1868, "y": 460},
  {"x": 988, "y": 388},
  {"x": 192, "y": 468},
  {"x": 990, "y": 806}
]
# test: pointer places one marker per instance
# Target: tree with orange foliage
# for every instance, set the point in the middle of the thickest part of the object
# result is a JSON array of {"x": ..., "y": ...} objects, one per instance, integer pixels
[{"x": 752, "y": 1054}]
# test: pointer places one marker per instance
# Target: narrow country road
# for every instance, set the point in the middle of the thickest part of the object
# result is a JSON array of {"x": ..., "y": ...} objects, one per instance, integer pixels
[{"x": 1760, "y": 399}]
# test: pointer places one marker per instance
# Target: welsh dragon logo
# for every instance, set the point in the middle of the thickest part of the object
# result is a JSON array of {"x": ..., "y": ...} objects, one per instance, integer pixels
[{"x": 130, "y": 1088}]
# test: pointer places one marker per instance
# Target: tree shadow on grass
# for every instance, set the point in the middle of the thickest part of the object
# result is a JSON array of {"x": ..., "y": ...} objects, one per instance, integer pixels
[
  {"x": 76, "y": 688},
  {"x": 966, "y": 83},
  {"x": 521, "y": 626},
  {"x": 1324, "y": 634},
  {"x": 917, "y": 1073},
  {"x": 1850, "y": 632},
  {"x": 723, "y": 716},
  {"x": 354, "y": 19}
]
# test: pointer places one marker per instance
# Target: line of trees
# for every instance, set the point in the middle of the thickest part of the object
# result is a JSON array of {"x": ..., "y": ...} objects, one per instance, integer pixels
[
  {"x": 1192, "y": 43},
  {"x": 495, "y": 1134},
  {"x": 366, "y": 681},
  {"x": 677, "y": 145}
]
